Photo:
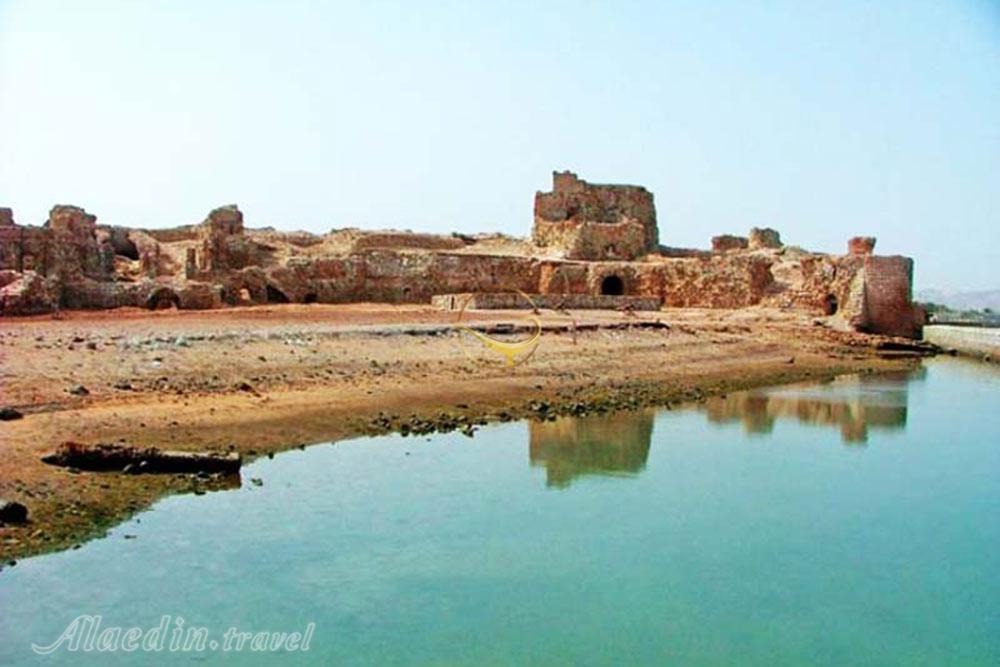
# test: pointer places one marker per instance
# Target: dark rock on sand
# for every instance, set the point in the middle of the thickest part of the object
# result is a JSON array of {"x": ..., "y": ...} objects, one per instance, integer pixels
[{"x": 12, "y": 512}]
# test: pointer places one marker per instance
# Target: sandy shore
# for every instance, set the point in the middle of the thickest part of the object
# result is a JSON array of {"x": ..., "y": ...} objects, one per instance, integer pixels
[{"x": 259, "y": 380}]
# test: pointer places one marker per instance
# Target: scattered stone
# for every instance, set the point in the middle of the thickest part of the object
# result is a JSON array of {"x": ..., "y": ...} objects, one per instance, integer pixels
[
  {"x": 9, "y": 414},
  {"x": 78, "y": 390},
  {"x": 12, "y": 512},
  {"x": 257, "y": 481}
]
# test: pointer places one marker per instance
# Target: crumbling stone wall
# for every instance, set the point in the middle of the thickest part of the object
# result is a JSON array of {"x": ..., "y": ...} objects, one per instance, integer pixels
[
  {"x": 395, "y": 240},
  {"x": 224, "y": 246},
  {"x": 555, "y": 277},
  {"x": 27, "y": 293},
  {"x": 707, "y": 282},
  {"x": 829, "y": 286},
  {"x": 24, "y": 248},
  {"x": 590, "y": 240},
  {"x": 515, "y": 301},
  {"x": 403, "y": 277},
  {"x": 92, "y": 294},
  {"x": 581, "y": 220},
  {"x": 863, "y": 292},
  {"x": 728, "y": 242},
  {"x": 861, "y": 245},
  {"x": 764, "y": 238},
  {"x": 10, "y": 247},
  {"x": 714, "y": 282},
  {"x": 74, "y": 250}
]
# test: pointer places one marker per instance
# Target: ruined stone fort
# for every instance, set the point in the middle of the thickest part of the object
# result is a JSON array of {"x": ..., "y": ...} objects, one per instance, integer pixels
[{"x": 591, "y": 246}]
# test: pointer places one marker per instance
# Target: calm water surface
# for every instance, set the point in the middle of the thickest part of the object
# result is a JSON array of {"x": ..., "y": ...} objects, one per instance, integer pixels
[{"x": 854, "y": 522}]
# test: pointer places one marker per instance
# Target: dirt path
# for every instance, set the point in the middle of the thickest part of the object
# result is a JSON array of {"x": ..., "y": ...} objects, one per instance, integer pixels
[{"x": 264, "y": 379}]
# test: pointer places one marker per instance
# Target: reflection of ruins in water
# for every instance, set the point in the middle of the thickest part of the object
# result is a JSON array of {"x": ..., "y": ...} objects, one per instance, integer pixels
[
  {"x": 570, "y": 447},
  {"x": 617, "y": 444},
  {"x": 852, "y": 403}
]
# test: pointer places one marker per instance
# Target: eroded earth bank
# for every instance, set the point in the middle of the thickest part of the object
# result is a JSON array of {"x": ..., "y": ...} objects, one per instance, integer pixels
[{"x": 263, "y": 379}]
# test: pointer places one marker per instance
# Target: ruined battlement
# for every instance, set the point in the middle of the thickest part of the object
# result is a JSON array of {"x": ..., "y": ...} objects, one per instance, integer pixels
[
  {"x": 588, "y": 241},
  {"x": 580, "y": 220}
]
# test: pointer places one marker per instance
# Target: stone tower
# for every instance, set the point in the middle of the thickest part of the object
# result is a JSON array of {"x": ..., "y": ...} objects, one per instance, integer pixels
[{"x": 580, "y": 220}]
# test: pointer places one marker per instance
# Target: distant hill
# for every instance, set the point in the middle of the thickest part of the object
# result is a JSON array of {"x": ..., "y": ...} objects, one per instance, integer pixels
[{"x": 962, "y": 300}]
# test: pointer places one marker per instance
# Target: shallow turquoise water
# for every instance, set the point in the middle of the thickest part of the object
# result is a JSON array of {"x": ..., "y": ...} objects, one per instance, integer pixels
[{"x": 855, "y": 522}]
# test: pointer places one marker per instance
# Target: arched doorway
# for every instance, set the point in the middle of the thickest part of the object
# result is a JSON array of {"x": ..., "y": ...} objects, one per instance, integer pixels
[
  {"x": 163, "y": 299},
  {"x": 830, "y": 305},
  {"x": 612, "y": 285}
]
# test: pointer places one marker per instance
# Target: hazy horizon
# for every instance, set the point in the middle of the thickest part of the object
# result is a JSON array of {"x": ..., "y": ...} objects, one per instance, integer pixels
[{"x": 824, "y": 122}]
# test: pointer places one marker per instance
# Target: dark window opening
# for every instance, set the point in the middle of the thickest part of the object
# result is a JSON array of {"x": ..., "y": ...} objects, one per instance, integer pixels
[
  {"x": 127, "y": 249},
  {"x": 830, "y": 305},
  {"x": 275, "y": 295},
  {"x": 612, "y": 285}
]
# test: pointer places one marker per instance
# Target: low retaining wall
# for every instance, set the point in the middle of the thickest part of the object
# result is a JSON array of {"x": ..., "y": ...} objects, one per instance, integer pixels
[
  {"x": 972, "y": 341},
  {"x": 514, "y": 301}
]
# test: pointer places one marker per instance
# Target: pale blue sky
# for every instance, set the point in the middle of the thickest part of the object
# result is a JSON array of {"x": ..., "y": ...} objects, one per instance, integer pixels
[{"x": 824, "y": 120}]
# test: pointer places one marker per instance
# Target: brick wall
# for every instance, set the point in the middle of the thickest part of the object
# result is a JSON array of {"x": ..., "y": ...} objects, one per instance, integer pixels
[{"x": 888, "y": 304}]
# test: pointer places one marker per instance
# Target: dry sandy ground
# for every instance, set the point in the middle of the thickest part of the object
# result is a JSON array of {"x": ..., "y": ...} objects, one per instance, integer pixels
[{"x": 269, "y": 378}]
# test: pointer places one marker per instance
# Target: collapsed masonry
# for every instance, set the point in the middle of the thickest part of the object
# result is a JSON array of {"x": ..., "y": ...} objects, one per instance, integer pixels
[{"x": 587, "y": 240}]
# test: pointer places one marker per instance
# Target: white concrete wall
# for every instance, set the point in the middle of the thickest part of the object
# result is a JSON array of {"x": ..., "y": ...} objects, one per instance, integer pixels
[{"x": 974, "y": 341}]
